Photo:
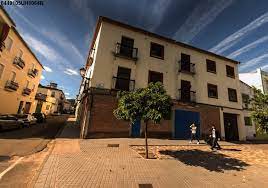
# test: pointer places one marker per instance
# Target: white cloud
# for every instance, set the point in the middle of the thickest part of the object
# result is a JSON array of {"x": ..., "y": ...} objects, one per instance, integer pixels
[
  {"x": 203, "y": 14},
  {"x": 61, "y": 40},
  {"x": 42, "y": 77},
  {"x": 71, "y": 72},
  {"x": 234, "y": 38},
  {"x": 67, "y": 94},
  {"x": 47, "y": 69},
  {"x": 254, "y": 62},
  {"x": 248, "y": 47}
]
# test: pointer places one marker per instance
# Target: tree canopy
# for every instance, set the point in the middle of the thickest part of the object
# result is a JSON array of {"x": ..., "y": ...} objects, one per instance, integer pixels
[
  {"x": 151, "y": 103},
  {"x": 259, "y": 107}
]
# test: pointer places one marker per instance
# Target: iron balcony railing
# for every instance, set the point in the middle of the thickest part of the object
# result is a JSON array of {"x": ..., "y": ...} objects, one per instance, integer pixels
[
  {"x": 11, "y": 85},
  {"x": 26, "y": 91},
  {"x": 33, "y": 72},
  {"x": 123, "y": 84},
  {"x": 186, "y": 67},
  {"x": 19, "y": 62},
  {"x": 186, "y": 95},
  {"x": 41, "y": 97},
  {"x": 122, "y": 50}
]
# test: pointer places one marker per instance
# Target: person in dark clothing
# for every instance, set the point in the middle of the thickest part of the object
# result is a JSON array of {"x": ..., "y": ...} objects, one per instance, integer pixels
[{"x": 215, "y": 136}]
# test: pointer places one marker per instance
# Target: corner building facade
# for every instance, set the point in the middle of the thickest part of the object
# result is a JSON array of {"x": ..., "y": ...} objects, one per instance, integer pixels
[{"x": 204, "y": 86}]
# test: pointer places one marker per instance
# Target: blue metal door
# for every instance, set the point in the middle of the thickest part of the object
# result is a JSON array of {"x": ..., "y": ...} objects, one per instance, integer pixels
[
  {"x": 135, "y": 129},
  {"x": 183, "y": 120}
]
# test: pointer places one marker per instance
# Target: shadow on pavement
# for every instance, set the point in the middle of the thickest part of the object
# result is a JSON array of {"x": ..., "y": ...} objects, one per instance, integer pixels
[{"x": 209, "y": 160}]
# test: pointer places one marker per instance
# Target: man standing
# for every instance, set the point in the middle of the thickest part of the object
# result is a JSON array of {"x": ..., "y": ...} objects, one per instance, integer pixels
[
  {"x": 215, "y": 137},
  {"x": 193, "y": 133}
]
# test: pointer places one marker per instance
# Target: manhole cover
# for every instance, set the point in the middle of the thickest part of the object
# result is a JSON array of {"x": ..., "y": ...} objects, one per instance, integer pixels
[
  {"x": 145, "y": 186},
  {"x": 113, "y": 145}
]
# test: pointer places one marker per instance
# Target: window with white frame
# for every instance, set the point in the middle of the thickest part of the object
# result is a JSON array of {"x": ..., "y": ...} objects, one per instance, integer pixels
[
  {"x": 8, "y": 43},
  {"x": 20, "y": 53},
  {"x": 13, "y": 76}
]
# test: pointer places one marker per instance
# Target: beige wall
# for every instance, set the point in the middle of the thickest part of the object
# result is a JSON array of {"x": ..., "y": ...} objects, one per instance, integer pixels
[
  {"x": 250, "y": 130},
  {"x": 107, "y": 64},
  {"x": 9, "y": 100},
  {"x": 52, "y": 102}
]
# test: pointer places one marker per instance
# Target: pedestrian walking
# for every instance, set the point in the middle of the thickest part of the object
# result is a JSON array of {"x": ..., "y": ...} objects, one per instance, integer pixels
[
  {"x": 193, "y": 133},
  {"x": 215, "y": 136}
]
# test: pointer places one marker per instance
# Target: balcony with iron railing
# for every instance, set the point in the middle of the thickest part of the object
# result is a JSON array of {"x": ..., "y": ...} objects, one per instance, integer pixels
[
  {"x": 40, "y": 96},
  {"x": 26, "y": 91},
  {"x": 125, "y": 51},
  {"x": 186, "y": 96},
  {"x": 11, "y": 85},
  {"x": 123, "y": 84},
  {"x": 186, "y": 67},
  {"x": 18, "y": 62},
  {"x": 33, "y": 72}
]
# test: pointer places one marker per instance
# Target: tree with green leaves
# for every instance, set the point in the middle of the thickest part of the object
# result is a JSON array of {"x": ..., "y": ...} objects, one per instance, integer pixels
[
  {"x": 147, "y": 104},
  {"x": 259, "y": 107}
]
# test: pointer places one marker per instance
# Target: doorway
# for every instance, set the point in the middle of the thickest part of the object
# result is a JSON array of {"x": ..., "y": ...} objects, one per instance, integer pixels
[
  {"x": 185, "y": 91},
  {"x": 27, "y": 108},
  {"x": 123, "y": 79},
  {"x": 183, "y": 121},
  {"x": 230, "y": 127},
  {"x": 20, "y": 107}
]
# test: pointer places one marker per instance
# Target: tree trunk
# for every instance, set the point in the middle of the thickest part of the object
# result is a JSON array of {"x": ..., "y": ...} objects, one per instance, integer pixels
[{"x": 146, "y": 142}]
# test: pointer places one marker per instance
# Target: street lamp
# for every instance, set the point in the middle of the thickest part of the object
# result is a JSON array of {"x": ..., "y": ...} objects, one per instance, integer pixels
[{"x": 83, "y": 72}]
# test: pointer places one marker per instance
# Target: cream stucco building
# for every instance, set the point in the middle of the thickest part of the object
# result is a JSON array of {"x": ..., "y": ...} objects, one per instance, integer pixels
[
  {"x": 50, "y": 99},
  {"x": 205, "y": 86},
  {"x": 20, "y": 70},
  {"x": 247, "y": 93}
]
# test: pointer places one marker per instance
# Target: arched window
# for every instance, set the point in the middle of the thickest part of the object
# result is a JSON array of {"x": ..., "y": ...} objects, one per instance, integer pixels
[{"x": 13, "y": 76}]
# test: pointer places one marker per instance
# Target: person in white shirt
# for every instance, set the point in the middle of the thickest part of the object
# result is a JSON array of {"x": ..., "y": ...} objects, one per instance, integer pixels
[
  {"x": 193, "y": 133},
  {"x": 215, "y": 137}
]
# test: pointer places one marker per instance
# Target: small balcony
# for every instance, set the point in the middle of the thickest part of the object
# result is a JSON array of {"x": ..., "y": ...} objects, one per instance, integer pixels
[
  {"x": 11, "y": 85},
  {"x": 33, "y": 73},
  {"x": 186, "y": 96},
  {"x": 126, "y": 52},
  {"x": 26, "y": 91},
  {"x": 40, "y": 97},
  {"x": 186, "y": 67},
  {"x": 123, "y": 84},
  {"x": 18, "y": 62}
]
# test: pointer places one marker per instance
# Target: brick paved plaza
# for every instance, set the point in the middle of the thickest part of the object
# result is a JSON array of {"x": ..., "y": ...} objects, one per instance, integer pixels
[{"x": 90, "y": 163}]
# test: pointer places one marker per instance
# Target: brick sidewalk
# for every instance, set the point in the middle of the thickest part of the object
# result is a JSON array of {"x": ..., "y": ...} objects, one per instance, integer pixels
[{"x": 90, "y": 163}]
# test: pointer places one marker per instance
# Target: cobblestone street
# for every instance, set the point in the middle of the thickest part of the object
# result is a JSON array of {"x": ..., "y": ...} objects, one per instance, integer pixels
[{"x": 91, "y": 163}]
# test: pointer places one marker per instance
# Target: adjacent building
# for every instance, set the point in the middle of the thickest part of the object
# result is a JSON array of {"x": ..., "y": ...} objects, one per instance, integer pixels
[
  {"x": 50, "y": 99},
  {"x": 258, "y": 79},
  {"x": 247, "y": 93},
  {"x": 20, "y": 70},
  {"x": 205, "y": 87}
]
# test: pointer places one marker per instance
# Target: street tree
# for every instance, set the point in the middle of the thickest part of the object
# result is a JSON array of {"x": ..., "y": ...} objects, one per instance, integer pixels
[
  {"x": 259, "y": 107},
  {"x": 145, "y": 104}
]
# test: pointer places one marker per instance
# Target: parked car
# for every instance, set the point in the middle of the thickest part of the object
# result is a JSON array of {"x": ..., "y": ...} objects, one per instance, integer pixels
[
  {"x": 41, "y": 117},
  {"x": 27, "y": 119},
  {"x": 10, "y": 122}
]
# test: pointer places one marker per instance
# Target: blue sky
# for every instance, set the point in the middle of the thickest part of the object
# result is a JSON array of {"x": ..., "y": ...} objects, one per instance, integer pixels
[{"x": 60, "y": 31}]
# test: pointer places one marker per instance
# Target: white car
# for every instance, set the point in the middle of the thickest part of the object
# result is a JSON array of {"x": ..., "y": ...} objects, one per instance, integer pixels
[
  {"x": 27, "y": 119},
  {"x": 10, "y": 122}
]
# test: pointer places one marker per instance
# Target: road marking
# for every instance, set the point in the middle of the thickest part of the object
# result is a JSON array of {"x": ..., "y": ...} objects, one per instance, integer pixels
[{"x": 10, "y": 167}]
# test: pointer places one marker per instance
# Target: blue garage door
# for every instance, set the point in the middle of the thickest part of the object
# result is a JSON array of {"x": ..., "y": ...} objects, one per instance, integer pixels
[
  {"x": 135, "y": 129},
  {"x": 183, "y": 120}
]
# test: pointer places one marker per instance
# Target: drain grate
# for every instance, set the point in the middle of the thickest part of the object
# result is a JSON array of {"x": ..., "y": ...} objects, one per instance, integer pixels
[
  {"x": 145, "y": 186},
  {"x": 113, "y": 145}
]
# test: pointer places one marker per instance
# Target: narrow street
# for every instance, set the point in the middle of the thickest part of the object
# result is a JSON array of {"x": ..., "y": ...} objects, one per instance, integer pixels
[{"x": 23, "y": 146}]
